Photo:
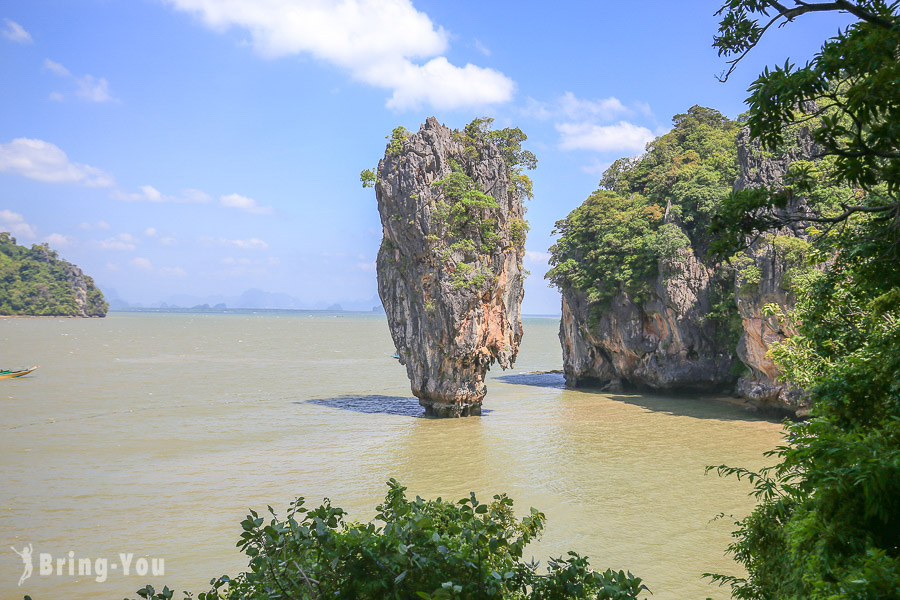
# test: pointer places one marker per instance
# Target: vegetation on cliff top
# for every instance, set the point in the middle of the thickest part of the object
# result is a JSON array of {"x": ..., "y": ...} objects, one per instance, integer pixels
[
  {"x": 648, "y": 209},
  {"x": 828, "y": 520},
  {"x": 37, "y": 282},
  {"x": 465, "y": 222}
]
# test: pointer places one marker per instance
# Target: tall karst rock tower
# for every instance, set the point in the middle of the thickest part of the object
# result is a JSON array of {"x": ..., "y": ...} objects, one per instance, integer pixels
[{"x": 450, "y": 265}]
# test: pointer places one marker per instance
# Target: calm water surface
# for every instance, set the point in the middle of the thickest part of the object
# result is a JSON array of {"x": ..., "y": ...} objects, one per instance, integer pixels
[{"x": 153, "y": 434}]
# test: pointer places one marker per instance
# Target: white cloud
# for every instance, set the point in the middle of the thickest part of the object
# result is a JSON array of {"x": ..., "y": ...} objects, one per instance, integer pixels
[
  {"x": 168, "y": 241},
  {"x": 366, "y": 266},
  {"x": 623, "y": 136},
  {"x": 148, "y": 193},
  {"x": 57, "y": 240},
  {"x": 248, "y": 244},
  {"x": 123, "y": 241},
  {"x": 15, "y": 32},
  {"x": 15, "y": 224},
  {"x": 377, "y": 41},
  {"x": 246, "y": 204},
  {"x": 87, "y": 87},
  {"x": 141, "y": 263},
  {"x": 440, "y": 84},
  {"x": 150, "y": 231},
  {"x": 37, "y": 159}
]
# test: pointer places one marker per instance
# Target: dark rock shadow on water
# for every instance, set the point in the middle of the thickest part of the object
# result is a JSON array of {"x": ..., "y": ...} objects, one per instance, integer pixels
[
  {"x": 697, "y": 406},
  {"x": 372, "y": 404},
  {"x": 544, "y": 379}
]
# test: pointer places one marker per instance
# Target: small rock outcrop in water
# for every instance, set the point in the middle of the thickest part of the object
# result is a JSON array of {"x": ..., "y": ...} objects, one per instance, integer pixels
[
  {"x": 450, "y": 264},
  {"x": 36, "y": 282}
]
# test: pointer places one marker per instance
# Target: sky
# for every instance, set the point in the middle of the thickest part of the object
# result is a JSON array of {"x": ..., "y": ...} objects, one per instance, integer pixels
[{"x": 191, "y": 150}]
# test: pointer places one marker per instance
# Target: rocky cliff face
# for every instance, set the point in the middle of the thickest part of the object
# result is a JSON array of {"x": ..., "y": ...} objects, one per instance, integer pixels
[
  {"x": 762, "y": 278},
  {"x": 450, "y": 264},
  {"x": 666, "y": 342}
]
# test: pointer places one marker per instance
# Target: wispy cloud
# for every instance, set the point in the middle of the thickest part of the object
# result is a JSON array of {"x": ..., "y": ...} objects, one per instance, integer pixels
[
  {"x": 139, "y": 262},
  {"x": 122, "y": 242},
  {"x": 246, "y": 204},
  {"x": 145, "y": 264},
  {"x": 537, "y": 257},
  {"x": 15, "y": 32},
  {"x": 56, "y": 68},
  {"x": 379, "y": 42},
  {"x": 148, "y": 193},
  {"x": 15, "y": 224},
  {"x": 248, "y": 244},
  {"x": 92, "y": 226},
  {"x": 87, "y": 87},
  {"x": 43, "y": 161},
  {"x": 570, "y": 107},
  {"x": 57, "y": 240}
]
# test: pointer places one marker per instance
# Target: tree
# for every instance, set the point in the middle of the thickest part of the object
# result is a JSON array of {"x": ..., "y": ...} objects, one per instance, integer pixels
[
  {"x": 828, "y": 520},
  {"x": 849, "y": 97}
]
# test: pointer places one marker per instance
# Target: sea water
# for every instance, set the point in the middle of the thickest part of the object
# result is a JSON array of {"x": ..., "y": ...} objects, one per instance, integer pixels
[{"x": 147, "y": 436}]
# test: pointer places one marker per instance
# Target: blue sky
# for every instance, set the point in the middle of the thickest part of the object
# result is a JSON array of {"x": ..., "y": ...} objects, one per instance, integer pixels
[{"x": 201, "y": 148}]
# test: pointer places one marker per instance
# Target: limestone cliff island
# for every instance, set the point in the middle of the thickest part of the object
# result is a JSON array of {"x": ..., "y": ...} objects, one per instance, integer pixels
[
  {"x": 449, "y": 268},
  {"x": 647, "y": 303}
]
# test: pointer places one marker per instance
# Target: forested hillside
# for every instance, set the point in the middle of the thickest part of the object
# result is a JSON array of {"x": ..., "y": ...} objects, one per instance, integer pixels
[{"x": 37, "y": 282}]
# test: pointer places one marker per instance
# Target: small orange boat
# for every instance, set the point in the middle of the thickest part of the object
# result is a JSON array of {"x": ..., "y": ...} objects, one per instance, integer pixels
[{"x": 18, "y": 373}]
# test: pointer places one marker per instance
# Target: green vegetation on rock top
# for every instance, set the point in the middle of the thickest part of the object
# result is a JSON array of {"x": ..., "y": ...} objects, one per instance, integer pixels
[
  {"x": 37, "y": 282},
  {"x": 616, "y": 239}
]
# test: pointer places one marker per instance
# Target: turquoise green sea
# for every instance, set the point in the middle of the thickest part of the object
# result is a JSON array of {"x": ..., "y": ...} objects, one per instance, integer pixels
[{"x": 151, "y": 434}]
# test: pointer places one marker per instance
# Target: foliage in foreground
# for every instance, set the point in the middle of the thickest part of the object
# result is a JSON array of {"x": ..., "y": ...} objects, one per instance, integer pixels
[
  {"x": 417, "y": 549},
  {"x": 828, "y": 521}
]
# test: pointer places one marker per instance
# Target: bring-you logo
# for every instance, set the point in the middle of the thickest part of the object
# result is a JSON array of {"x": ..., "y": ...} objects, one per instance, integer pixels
[{"x": 72, "y": 566}]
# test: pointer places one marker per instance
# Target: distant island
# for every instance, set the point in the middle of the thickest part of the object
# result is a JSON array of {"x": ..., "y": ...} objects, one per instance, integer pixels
[{"x": 36, "y": 282}]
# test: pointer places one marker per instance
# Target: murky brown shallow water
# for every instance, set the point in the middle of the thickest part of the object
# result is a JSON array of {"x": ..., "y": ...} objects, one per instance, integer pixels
[{"x": 152, "y": 434}]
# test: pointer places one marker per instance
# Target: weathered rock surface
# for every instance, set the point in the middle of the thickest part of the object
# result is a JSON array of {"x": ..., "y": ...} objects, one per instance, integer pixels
[
  {"x": 449, "y": 273},
  {"x": 762, "y": 329},
  {"x": 664, "y": 343}
]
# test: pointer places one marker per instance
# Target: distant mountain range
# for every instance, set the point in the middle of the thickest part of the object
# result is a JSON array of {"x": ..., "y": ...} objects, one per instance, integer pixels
[{"x": 252, "y": 298}]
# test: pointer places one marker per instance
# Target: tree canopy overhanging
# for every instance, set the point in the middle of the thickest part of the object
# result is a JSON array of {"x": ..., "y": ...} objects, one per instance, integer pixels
[{"x": 828, "y": 520}]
